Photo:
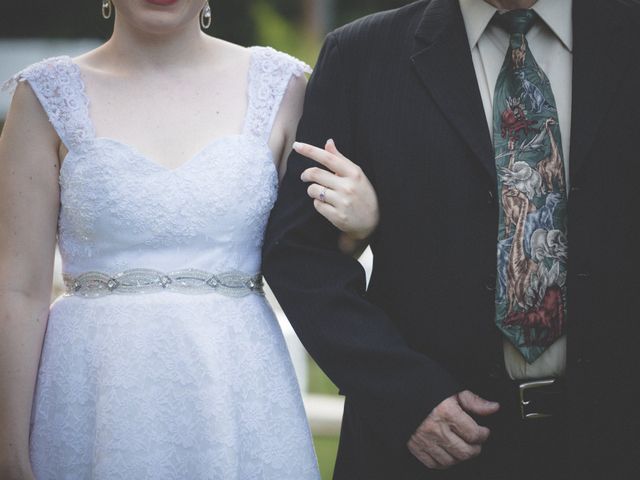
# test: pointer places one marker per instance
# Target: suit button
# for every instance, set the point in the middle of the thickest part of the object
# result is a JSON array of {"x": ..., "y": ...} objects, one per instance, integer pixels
[
  {"x": 496, "y": 370},
  {"x": 490, "y": 284},
  {"x": 583, "y": 361},
  {"x": 574, "y": 189}
]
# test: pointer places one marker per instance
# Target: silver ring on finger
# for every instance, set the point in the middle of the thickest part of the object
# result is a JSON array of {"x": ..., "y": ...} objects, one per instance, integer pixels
[{"x": 323, "y": 195}]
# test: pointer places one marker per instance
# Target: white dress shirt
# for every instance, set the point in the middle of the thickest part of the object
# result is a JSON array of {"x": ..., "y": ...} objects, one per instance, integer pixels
[{"x": 551, "y": 42}]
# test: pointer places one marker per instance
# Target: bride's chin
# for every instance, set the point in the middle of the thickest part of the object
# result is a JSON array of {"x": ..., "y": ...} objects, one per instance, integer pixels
[
  {"x": 158, "y": 17},
  {"x": 163, "y": 3},
  {"x": 159, "y": 27}
]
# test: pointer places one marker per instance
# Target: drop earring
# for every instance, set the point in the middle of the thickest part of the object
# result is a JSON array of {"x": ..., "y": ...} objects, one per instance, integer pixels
[
  {"x": 205, "y": 16},
  {"x": 107, "y": 9}
]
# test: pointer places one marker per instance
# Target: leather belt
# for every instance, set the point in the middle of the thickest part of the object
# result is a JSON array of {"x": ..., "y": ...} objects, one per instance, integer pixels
[
  {"x": 542, "y": 398},
  {"x": 528, "y": 400}
]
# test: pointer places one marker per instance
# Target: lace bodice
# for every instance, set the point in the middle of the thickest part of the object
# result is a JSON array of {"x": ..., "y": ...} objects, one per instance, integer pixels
[
  {"x": 165, "y": 385},
  {"x": 121, "y": 210}
]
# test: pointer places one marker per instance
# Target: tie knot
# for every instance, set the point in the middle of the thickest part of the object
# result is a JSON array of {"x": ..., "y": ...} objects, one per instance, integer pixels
[{"x": 516, "y": 21}]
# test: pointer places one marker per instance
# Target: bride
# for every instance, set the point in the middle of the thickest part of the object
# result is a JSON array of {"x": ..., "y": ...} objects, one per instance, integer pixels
[{"x": 153, "y": 161}]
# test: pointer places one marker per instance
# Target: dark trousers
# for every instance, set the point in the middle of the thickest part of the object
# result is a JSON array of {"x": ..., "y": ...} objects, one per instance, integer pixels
[{"x": 517, "y": 449}]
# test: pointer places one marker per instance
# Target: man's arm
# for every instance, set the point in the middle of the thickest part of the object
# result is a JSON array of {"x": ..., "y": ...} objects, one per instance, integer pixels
[{"x": 323, "y": 291}]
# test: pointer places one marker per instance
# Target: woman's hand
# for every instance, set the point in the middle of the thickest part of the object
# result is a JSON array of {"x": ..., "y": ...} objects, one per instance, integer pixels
[{"x": 343, "y": 195}]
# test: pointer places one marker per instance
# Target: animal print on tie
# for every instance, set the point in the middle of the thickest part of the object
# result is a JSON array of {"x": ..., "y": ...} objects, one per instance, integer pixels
[{"x": 532, "y": 240}]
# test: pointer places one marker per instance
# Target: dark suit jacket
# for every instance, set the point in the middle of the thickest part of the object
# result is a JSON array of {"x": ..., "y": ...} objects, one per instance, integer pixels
[{"x": 397, "y": 91}]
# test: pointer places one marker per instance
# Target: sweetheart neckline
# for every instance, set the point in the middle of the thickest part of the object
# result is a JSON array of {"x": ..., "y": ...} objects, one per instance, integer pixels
[
  {"x": 159, "y": 166},
  {"x": 185, "y": 165},
  {"x": 135, "y": 150}
]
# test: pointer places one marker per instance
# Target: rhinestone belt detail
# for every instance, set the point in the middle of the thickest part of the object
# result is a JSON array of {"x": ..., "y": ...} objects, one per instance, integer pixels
[{"x": 189, "y": 281}]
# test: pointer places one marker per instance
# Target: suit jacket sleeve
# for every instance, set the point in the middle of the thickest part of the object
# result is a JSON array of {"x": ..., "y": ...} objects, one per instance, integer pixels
[{"x": 323, "y": 291}]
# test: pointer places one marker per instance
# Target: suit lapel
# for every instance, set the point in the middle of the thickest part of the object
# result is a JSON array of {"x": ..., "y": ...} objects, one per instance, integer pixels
[
  {"x": 442, "y": 60},
  {"x": 600, "y": 55}
]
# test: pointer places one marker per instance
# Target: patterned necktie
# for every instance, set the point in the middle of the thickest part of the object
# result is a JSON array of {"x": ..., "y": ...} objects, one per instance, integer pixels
[{"x": 532, "y": 240}]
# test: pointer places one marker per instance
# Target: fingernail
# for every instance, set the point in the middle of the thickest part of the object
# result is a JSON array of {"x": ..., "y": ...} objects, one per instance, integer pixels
[
  {"x": 296, "y": 145},
  {"x": 330, "y": 141}
]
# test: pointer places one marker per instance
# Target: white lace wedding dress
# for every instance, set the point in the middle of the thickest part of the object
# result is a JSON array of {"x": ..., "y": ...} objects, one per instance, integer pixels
[{"x": 165, "y": 384}]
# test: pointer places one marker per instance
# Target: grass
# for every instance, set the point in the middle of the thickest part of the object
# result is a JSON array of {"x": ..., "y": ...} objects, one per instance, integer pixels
[
  {"x": 326, "y": 447},
  {"x": 319, "y": 382}
]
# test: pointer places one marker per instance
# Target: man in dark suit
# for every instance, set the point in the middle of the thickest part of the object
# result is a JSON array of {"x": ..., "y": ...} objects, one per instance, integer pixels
[{"x": 462, "y": 119}]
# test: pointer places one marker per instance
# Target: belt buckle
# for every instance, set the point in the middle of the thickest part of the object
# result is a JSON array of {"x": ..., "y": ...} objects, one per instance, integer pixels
[{"x": 525, "y": 403}]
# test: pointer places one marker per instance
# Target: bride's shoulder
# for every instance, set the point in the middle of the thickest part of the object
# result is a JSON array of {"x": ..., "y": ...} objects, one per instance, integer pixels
[
  {"x": 223, "y": 48},
  {"x": 262, "y": 59},
  {"x": 268, "y": 59},
  {"x": 45, "y": 71}
]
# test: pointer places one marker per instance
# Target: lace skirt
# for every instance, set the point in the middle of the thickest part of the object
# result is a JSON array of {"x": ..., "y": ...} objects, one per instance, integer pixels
[{"x": 168, "y": 386}]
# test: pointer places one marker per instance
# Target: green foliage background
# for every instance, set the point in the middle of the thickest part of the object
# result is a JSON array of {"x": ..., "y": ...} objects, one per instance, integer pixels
[{"x": 282, "y": 24}]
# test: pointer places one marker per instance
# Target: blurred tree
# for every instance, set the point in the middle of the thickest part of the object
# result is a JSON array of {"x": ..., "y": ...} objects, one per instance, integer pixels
[
  {"x": 336, "y": 12},
  {"x": 82, "y": 18},
  {"x": 234, "y": 20},
  {"x": 295, "y": 26},
  {"x": 298, "y": 27}
]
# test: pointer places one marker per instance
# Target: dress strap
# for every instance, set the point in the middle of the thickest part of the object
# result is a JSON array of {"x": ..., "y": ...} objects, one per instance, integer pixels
[
  {"x": 269, "y": 76},
  {"x": 58, "y": 85}
]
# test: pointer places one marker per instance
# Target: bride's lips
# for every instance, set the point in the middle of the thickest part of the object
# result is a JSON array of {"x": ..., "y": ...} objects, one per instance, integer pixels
[{"x": 162, "y": 2}]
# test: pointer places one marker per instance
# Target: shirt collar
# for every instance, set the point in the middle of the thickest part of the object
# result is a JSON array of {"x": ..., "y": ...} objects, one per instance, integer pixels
[
  {"x": 557, "y": 14},
  {"x": 476, "y": 15}
]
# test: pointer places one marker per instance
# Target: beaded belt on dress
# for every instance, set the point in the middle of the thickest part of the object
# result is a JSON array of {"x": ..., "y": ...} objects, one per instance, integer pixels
[{"x": 189, "y": 281}]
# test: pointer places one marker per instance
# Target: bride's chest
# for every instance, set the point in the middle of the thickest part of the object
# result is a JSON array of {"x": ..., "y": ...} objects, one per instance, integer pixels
[
  {"x": 167, "y": 121},
  {"x": 108, "y": 188}
]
